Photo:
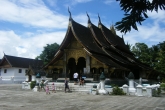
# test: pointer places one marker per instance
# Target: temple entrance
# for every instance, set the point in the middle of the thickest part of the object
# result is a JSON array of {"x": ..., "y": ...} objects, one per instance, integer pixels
[
  {"x": 73, "y": 67},
  {"x": 81, "y": 65}
]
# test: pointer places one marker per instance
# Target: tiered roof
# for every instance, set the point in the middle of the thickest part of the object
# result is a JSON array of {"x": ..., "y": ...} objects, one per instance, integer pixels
[{"x": 100, "y": 43}]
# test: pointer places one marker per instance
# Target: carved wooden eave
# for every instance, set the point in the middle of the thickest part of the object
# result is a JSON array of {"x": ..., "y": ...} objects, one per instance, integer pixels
[
  {"x": 5, "y": 63},
  {"x": 90, "y": 54}
]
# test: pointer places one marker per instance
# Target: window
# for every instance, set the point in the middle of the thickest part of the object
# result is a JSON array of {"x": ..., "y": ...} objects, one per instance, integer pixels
[
  {"x": 20, "y": 71},
  {"x": 5, "y": 70}
]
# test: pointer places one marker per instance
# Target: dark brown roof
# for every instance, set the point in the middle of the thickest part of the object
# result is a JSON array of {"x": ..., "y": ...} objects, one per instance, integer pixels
[
  {"x": 21, "y": 62},
  {"x": 102, "y": 44},
  {"x": 99, "y": 37},
  {"x": 114, "y": 39},
  {"x": 84, "y": 36}
]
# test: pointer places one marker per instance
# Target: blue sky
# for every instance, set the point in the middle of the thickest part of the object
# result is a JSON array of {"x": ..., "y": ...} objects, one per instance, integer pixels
[{"x": 26, "y": 26}]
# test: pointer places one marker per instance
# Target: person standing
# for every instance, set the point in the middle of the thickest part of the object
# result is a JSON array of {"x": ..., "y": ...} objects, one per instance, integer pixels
[
  {"x": 75, "y": 76},
  {"x": 66, "y": 84}
]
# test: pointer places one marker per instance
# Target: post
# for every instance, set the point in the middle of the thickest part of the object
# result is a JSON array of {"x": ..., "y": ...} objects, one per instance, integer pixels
[
  {"x": 125, "y": 88},
  {"x": 149, "y": 91},
  {"x": 64, "y": 66},
  {"x": 87, "y": 64},
  {"x": 139, "y": 90},
  {"x": 132, "y": 89}
]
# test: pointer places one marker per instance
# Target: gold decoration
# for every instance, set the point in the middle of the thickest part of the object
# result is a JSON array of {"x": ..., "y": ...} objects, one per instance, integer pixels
[{"x": 76, "y": 54}]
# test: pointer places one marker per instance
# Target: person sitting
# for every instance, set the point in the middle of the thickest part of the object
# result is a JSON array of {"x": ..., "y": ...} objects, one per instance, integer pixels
[{"x": 81, "y": 81}]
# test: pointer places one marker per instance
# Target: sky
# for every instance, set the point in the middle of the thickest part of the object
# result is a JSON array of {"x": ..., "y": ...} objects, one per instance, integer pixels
[{"x": 26, "y": 26}]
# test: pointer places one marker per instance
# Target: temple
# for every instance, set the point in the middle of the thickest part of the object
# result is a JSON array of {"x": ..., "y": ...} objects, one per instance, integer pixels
[{"x": 92, "y": 50}]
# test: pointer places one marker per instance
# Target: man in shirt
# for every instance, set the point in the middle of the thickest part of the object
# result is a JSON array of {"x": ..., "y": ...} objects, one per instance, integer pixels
[{"x": 75, "y": 76}]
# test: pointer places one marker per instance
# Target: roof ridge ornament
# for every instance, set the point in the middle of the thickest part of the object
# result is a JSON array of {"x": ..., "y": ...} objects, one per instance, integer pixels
[
  {"x": 99, "y": 18},
  {"x": 89, "y": 21},
  {"x": 122, "y": 37},
  {"x": 70, "y": 16},
  {"x": 4, "y": 53}
]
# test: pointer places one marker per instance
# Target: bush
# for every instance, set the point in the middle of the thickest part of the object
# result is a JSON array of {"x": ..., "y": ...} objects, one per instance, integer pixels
[
  {"x": 162, "y": 86},
  {"x": 32, "y": 84},
  {"x": 156, "y": 93},
  {"x": 117, "y": 91}
]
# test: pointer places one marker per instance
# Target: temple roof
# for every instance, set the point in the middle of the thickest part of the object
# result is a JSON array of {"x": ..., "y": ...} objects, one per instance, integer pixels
[
  {"x": 100, "y": 43},
  {"x": 20, "y": 62}
]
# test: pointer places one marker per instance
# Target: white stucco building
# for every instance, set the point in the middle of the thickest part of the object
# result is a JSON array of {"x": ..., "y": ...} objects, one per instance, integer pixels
[{"x": 13, "y": 69}]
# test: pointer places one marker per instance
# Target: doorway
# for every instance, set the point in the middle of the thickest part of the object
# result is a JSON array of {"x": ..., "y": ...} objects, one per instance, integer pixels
[{"x": 73, "y": 67}]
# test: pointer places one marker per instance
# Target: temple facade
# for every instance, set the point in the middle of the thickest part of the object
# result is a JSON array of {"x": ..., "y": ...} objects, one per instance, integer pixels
[{"x": 92, "y": 50}]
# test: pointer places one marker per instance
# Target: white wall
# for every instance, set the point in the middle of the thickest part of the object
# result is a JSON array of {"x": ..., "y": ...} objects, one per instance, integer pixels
[{"x": 13, "y": 74}]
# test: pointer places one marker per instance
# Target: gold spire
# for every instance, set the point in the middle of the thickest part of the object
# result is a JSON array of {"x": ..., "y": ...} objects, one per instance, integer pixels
[{"x": 112, "y": 28}]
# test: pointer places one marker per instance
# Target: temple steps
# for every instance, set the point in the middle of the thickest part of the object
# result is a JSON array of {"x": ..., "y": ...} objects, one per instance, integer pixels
[{"x": 73, "y": 88}]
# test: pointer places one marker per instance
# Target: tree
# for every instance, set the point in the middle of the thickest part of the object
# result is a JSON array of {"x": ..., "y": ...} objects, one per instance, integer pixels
[
  {"x": 153, "y": 56},
  {"x": 48, "y": 52},
  {"x": 141, "y": 52},
  {"x": 160, "y": 65},
  {"x": 136, "y": 12}
]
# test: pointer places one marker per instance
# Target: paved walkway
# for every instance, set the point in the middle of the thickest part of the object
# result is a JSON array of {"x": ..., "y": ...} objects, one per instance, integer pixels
[{"x": 12, "y": 97}]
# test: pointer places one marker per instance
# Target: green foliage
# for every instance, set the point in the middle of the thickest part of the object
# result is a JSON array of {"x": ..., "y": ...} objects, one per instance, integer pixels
[
  {"x": 141, "y": 52},
  {"x": 153, "y": 56},
  {"x": 117, "y": 91},
  {"x": 48, "y": 52},
  {"x": 32, "y": 84},
  {"x": 136, "y": 12},
  {"x": 156, "y": 93},
  {"x": 162, "y": 86}
]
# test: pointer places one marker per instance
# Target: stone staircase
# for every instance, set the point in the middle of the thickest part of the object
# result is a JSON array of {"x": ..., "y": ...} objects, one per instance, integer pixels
[{"x": 73, "y": 88}]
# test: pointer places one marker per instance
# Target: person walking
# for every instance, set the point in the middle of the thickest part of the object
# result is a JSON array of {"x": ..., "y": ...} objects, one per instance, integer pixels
[
  {"x": 66, "y": 85},
  {"x": 75, "y": 76},
  {"x": 42, "y": 86},
  {"x": 47, "y": 90},
  {"x": 53, "y": 88}
]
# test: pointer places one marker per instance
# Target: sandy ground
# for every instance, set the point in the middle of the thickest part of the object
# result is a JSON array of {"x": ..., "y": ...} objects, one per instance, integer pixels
[{"x": 12, "y": 97}]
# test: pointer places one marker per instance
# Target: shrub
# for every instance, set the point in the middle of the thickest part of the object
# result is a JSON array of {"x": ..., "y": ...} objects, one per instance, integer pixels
[
  {"x": 32, "y": 84},
  {"x": 162, "y": 86},
  {"x": 156, "y": 93},
  {"x": 117, "y": 91}
]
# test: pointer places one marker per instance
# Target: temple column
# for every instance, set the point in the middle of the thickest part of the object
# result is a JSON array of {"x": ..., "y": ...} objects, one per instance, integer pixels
[
  {"x": 87, "y": 64},
  {"x": 64, "y": 65}
]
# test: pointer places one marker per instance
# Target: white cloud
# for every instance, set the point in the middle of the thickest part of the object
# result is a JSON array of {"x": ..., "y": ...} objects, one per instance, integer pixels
[
  {"x": 159, "y": 17},
  {"x": 52, "y": 2},
  {"x": 29, "y": 47},
  {"x": 32, "y": 13}
]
